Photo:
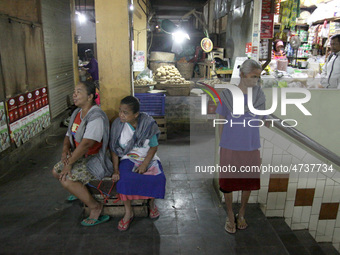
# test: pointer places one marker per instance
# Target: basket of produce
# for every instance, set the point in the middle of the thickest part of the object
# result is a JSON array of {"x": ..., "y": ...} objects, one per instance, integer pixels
[
  {"x": 155, "y": 64},
  {"x": 167, "y": 75},
  {"x": 143, "y": 85}
]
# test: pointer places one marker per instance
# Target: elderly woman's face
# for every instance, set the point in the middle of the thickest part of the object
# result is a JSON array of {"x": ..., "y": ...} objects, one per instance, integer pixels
[
  {"x": 251, "y": 79},
  {"x": 80, "y": 97},
  {"x": 126, "y": 114}
]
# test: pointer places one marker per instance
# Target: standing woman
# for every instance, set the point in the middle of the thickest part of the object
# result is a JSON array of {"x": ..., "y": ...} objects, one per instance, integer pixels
[
  {"x": 133, "y": 144},
  {"x": 84, "y": 157},
  {"x": 278, "y": 50},
  {"x": 240, "y": 144}
]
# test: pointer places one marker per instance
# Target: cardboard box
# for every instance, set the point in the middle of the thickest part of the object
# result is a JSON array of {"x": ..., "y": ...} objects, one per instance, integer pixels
[
  {"x": 37, "y": 99},
  {"x": 16, "y": 132},
  {"x": 30, "y": 102},
  {"x": 44, "y": 96},
  {"x": 3, "y": 121},
  {"x": 12, "y": 108},
  {"x": 5, "y": 141},
  {"x": 22, "y": 107}
]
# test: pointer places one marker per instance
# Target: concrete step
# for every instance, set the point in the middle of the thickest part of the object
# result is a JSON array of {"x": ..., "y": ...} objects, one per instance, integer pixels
[
  {"x": 300, "y": 242},
  {"x": 260, "y": 237}
]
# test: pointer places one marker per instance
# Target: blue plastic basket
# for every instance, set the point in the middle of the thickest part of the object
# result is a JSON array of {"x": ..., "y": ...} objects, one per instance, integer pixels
[{"x": 152, "y": 104}]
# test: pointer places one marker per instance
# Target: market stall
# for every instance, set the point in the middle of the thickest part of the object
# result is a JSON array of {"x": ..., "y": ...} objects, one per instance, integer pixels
[{"x": 304, "y": 32}]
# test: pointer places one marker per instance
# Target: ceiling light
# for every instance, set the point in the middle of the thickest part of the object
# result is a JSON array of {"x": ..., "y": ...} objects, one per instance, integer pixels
[
  {"x": 81, "y": 17},
  {"x": 179, "y": 36}
]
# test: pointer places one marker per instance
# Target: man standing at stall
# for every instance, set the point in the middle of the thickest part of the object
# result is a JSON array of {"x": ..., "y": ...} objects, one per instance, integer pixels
[{"x": 330, "y": 76}]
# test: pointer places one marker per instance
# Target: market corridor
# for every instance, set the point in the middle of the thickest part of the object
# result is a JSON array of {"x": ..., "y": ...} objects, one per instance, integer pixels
[{"x": 35, "y": 219}]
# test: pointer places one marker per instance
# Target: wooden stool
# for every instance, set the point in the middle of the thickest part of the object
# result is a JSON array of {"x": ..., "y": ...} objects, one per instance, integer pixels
[{"x": 161, "y": 122}]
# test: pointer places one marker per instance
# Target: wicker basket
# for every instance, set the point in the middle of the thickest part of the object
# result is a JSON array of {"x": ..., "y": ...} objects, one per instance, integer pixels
[
  {"x": 142, "y": 88},
  {"x": 166, "y": 86},
  {"x": 186, "y": 69},
  {"x": 178, "y": 90},
  {"x": 162, "y": 56}
]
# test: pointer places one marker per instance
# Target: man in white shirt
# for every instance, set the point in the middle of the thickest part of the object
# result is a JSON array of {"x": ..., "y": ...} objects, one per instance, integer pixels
[{"x": 330, "y": 76}]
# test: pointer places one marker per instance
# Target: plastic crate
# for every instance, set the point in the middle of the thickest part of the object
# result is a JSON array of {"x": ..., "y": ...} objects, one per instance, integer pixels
[{"x": 152, "y": 104}]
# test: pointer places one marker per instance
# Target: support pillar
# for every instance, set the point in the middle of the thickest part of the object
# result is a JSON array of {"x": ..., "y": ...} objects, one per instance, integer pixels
[{"x": 113, "y": 50}]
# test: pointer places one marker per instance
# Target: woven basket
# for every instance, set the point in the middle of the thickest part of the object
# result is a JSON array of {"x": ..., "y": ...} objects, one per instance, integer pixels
[
  {"x": 162, "y": 56},
  {"x": 142, "y": 88},
  {"x": 175, "y": 89},
  {"x": 178, "y": 90},
  {"x": 166, "y": 86},
  {"x": 186, "y": 69}
]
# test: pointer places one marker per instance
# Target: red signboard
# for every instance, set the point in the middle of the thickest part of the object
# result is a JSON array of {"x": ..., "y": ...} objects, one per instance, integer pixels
[
  {"x": 248, "y": 48},
  {"x": 267, "y": 26}
]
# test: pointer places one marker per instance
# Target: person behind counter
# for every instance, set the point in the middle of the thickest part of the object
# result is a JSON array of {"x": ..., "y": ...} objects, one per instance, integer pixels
[
  {"x": 137, "y": 168},
  {"x": 330, "y": 76},
  {"x": 84, "y": 155},
  {"x": 92, "y": 69},
  {"x": 92, "y": 66},
  {"x": 278, "y": 52},
  {"x": 239, "y": 145}
]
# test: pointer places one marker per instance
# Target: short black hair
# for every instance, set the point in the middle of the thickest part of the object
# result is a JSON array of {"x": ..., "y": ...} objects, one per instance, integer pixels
[
  {"x": 132, "y": 102},
  {"x": 337, "y": 36},
  {"x": 88, "y": 53},
  {"x": 90, "y": 89}
]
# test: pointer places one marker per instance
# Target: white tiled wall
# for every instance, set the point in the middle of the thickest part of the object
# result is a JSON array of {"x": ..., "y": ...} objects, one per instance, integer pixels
[{"x": 277, "y": 150}]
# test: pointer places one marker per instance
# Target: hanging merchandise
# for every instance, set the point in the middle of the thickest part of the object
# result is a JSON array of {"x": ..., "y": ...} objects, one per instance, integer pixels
[
  {"x": 290, "y": 11},
  {"x": 277, "y": 6}
]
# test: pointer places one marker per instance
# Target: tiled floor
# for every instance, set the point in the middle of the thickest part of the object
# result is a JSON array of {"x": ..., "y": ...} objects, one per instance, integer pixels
[{"x": 35, "y": 219}]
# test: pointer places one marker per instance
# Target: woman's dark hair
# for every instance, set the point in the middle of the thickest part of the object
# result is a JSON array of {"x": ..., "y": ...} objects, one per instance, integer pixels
[
  {"x": 132, "y": 102},
  {"x": 90, "y": 88}
]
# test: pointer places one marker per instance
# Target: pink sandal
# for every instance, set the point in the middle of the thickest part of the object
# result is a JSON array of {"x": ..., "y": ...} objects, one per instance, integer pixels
[
  {"x": 123, "y": 226},
  {"x": 154, "y": 213}
]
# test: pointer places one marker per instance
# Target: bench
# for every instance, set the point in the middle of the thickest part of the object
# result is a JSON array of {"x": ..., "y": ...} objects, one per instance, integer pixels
[{"x": 112, "y": 205}]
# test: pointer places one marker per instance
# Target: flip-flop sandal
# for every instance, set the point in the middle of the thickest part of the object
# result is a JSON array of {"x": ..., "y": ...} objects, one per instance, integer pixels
[
  {"x": 71, "y": 198},
  {"x": 241, "y": 221},
  {"x": 228, "y": 227},
  {"x": 123, "y": 226},
  {"x": 154, "y": 213},
  {"x": 101, "y": 219}
]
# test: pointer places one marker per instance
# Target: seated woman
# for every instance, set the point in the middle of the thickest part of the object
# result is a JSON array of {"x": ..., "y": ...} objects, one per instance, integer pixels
[
  {"x": 278, "y": 50},
  {"x": 133, "y": 144},
  {"x": 84, "y": 157}
]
